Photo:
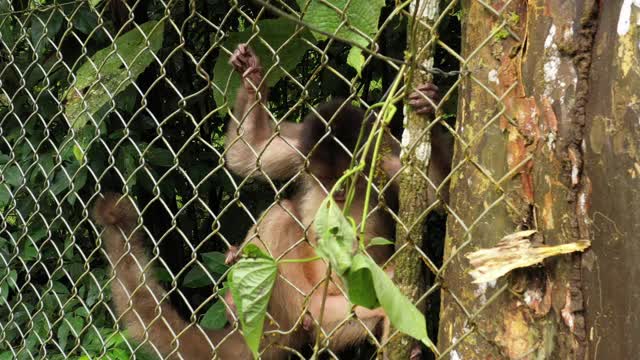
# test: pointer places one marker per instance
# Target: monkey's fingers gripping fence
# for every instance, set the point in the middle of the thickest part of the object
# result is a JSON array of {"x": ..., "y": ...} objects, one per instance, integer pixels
[{"x": 134, "y": 97}]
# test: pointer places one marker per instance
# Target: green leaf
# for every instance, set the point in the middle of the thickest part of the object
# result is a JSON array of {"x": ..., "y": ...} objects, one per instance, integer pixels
[
  {"x": 118, "y": 354},
  {"x": 82, "y": 139},
  {"x": 214, "y": 261},
  {"x": 253, "y": 251},
  {"x": 360, "y": 283},
  {"x": 70, "y": 326},
  {"x": 355, "y": 59},
  {"x": 163, "y": 275},
  {"x": 60, "y": 288},
  {"x": 197, "y": 277},
  {"x": 12, "y": 279},
  {"x": 13, "y": 176},
  {"x": 62, "y": 182},
  {"x": 29, "y": 252},
  {"x": 379, "y": 241},
  {"x": 127, "y": 99},
  {"x": 251, "y": 282},
  {"x": 159, "y": 157},
  {"x": 277, "y": 33},
  {"x": 85, "y": 20},
  {"x": 336, "y": 236},
  {"x": 214, "y": 264},
  {"x": 5, "y": 196},
  {"x": 403, "y": 315},
  {"x": 362, "y": 15},
  {"x": 114, "y": 340},
  {"x": 4, "y": 293},
  {"x": 9, "y": 31},
  {"x": 63, "y": 335},
  {"x": 44, "y": 28},
  {"x": 216, "y": 317},
  {"x": 127, "y": 163},
  {"x": 37, "y": 233},
  {"x": 118, "y": 65}
]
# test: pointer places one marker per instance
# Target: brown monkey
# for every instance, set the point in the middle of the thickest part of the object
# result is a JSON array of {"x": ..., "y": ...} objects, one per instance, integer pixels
[
  {"x": 284, "y": 231},
  {"x": 258, "y": 148}
]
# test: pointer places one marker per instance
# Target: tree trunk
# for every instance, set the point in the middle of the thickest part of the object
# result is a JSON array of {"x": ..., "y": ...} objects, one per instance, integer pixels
[
  {"x": 521, "y": 121},
  {"x": 612, "y": 163},
  {"x": 416, "y": 151}
]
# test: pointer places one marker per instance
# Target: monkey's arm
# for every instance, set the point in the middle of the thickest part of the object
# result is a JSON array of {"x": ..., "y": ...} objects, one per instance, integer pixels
[{"x": 254, "y": 147}]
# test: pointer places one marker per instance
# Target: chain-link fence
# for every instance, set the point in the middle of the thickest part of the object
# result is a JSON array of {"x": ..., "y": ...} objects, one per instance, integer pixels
[{"x": 157, "y": 100}]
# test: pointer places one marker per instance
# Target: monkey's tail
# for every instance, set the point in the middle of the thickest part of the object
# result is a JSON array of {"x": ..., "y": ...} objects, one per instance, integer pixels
[{"x": 140, "y": 302}]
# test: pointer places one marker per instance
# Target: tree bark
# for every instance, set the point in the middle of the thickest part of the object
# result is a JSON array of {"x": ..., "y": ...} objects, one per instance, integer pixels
[
  {"x": 612, "y": 165},
  {"x": 521, "y": 119}
]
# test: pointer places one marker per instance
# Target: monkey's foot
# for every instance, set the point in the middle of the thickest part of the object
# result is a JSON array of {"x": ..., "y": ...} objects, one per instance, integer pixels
[
  {"x": 245, "y": 61},
  {"x": 232, "y": 255},
  {"x": 423, "y": 99}
]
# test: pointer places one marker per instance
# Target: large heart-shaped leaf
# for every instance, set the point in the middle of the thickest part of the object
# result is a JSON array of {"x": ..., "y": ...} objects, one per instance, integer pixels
[{"x": 251, "y": 281}]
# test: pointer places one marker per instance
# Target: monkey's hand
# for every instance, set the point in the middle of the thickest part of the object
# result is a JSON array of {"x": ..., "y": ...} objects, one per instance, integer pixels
[
  {"x": 232, "y": 255},
  {"x": 245, "y": 61},
  {"x": 423, "y": 98}
]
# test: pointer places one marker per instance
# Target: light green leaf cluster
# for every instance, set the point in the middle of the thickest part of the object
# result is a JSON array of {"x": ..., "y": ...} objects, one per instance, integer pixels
[{"x": 368, "y": 285}]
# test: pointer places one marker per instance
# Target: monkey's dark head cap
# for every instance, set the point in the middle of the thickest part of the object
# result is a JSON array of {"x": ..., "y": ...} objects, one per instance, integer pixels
[{"x": 344, "y": 121}]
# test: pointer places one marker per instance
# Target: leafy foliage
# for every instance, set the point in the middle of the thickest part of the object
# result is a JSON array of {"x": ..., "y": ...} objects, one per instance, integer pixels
[
  {"x": 111, "y": 70},
  {"x": 362, "y": 274}
]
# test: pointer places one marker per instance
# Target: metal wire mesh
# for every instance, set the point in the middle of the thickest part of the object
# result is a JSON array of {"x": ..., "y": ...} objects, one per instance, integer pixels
[{"x": 133, "y": 97}]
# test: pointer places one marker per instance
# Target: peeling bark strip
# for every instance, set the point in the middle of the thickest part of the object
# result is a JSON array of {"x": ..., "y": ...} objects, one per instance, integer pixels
[
  {"x": 416, "y": 153},
  {"x": 579, "y": 191}
]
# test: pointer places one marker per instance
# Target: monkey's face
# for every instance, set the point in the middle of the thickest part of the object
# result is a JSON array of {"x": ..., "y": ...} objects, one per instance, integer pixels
[{"x": 326, "y": 171}]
